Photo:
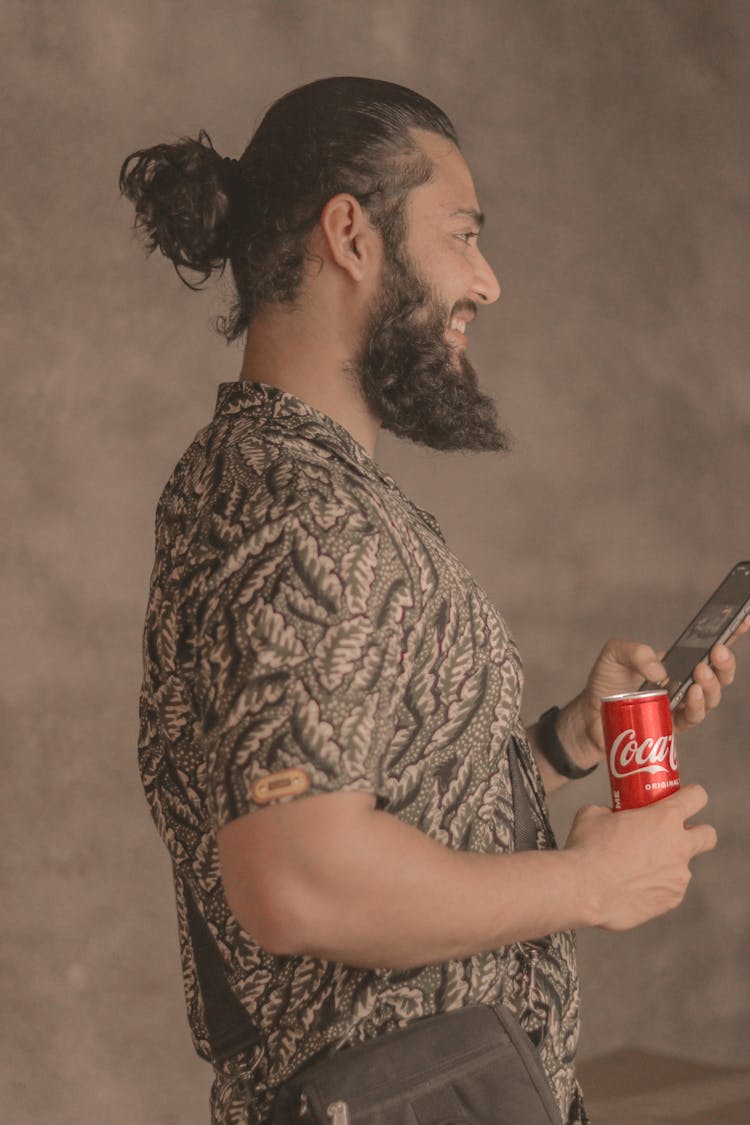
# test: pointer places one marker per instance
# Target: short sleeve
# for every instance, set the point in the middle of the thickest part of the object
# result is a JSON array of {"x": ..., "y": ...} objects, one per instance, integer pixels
[{"x": 300, "y": 667}]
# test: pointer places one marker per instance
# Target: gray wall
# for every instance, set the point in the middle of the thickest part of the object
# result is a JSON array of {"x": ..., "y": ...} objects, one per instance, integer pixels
[{"x": 609, "y": 144}]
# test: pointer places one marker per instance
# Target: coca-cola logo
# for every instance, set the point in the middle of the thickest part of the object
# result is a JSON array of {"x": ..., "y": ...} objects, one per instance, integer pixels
[{"x": 654, "y": 755}]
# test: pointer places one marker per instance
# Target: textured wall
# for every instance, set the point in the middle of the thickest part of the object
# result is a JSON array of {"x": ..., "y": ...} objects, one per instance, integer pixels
[{"x": 609, "y": 144}]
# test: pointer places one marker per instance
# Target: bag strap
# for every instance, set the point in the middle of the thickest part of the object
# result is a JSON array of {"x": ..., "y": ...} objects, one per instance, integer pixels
[
  {"x": 529, "y": 1056},
  {"x": 229, "y": 1028},
  {"x": 524, "y": 826}
]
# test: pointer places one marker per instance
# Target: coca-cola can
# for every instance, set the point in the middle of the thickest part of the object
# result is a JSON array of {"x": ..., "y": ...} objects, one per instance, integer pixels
[{"x": 641, "y": 753}]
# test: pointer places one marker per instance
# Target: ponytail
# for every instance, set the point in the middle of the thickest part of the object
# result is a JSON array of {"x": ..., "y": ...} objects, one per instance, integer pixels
[{"x": 184, "y": 195}]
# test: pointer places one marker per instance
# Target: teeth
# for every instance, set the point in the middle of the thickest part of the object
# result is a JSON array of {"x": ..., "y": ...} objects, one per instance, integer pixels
[{"x": 458, "y": 324}]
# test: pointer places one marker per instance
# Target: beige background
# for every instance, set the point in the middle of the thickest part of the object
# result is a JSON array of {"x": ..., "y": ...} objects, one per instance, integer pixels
[{"x": 609, "y": 144}]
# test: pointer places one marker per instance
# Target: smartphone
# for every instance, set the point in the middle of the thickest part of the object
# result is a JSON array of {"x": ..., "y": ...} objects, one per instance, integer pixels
[{"x": 713, "y": 624}]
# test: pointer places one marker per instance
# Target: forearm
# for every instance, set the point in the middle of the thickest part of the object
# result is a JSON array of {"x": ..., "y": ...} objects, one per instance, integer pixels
[{"x": 396, "y": 898}]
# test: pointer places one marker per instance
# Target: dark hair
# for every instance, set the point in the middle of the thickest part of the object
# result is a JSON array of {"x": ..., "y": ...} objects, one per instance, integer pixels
[{"x": 334, "y": 135}]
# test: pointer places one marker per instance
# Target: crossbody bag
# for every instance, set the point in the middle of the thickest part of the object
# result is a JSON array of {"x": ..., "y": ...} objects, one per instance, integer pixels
[{"x": 471, "y": 1066}]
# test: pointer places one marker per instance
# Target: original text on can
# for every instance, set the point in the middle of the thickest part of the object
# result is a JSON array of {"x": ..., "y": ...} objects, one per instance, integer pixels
[{"x": 640, "y": 745}]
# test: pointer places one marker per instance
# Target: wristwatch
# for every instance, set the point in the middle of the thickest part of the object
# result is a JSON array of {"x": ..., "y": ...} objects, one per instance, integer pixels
[{"x": 548, "y": 741}]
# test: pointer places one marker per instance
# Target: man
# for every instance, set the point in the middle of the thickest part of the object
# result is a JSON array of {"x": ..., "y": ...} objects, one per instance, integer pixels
[{"x": 331, "y": 740}]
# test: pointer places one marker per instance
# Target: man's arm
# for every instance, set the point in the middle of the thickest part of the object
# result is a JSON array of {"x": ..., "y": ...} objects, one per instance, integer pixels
[{"x": 332, "y": 877}]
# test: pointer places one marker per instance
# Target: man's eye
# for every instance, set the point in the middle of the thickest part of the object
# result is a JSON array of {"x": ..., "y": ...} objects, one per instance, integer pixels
[{"x": 466, "y": 236}]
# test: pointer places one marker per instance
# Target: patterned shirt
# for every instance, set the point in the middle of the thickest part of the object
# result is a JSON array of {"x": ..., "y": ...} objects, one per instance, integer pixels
[{"x": 306, "y": 616}]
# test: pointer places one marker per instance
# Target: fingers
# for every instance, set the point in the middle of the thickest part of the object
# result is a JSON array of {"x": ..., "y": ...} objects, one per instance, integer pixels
[
  {"x": 723, "y": 663},
  {"x": 689, "y": 800},
  {"x": 702, "y": 838},
  {"x": 742, "y": 628},
  {"x": 640, "y": 658},
  {"x": 707, "y": 679},
  {"x": 710, "y": 678},
  {"x": 655, "y": 672},
  {"x": 692, "y": 710}
]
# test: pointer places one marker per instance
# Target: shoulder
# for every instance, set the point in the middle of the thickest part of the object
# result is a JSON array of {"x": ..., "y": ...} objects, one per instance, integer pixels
[
  {"x": 284, "y": 478},
  {"x": 269, "y": 500}
]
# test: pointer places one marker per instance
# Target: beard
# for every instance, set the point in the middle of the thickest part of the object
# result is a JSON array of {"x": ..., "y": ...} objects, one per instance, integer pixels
[{"x": 415, "y": 383}]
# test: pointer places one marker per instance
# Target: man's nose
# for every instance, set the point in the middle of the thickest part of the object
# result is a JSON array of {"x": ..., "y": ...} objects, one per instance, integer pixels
[{"x": 486, "y": 285}]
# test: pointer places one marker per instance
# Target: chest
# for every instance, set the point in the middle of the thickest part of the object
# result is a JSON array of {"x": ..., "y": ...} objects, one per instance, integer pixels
[{"x": 447, "y": 770}]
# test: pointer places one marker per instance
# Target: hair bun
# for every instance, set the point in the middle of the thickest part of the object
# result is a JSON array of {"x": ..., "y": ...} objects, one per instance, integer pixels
[{"x": 183, "y": 194}]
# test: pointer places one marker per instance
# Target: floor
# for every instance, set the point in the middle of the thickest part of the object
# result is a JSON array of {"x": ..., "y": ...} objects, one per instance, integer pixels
[{"x": 631, "y": 1087}]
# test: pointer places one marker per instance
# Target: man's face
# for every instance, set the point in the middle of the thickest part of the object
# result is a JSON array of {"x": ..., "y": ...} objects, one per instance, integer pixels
[{"x": 412, "y": 365}]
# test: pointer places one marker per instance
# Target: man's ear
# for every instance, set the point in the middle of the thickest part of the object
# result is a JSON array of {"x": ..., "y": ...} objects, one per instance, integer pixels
[{"x": 349, "y": 235}]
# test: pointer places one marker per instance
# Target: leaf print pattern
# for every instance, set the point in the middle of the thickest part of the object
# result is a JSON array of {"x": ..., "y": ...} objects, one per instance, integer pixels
[
  {"x": 456, "y": 665},
  {"x": 358, "y": 564},
  {"x": 173, "y": 708},
  {"x": 313, "y": 735},
  {"x": 305, "y": 613},
  {"x": 274, "y": 643},
  {"x": 325, "y": 513},
  {"x": 302, "y": 605},
  {"x": 250, "y": 548},
  {"x": 357, "y": 731},
  {"x": 341, "y": 650},
  {"x": 317, "y": 571}
]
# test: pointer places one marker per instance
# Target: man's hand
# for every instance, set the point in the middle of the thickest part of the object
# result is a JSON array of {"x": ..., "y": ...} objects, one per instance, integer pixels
[
  {"x": 705, "y": 694},
  {"x": 635, "y": 863},
  {"x": 622, "y": 666}
]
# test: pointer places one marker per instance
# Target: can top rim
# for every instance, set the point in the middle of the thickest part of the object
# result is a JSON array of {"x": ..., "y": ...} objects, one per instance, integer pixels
[{"x": 650, "y": 694}]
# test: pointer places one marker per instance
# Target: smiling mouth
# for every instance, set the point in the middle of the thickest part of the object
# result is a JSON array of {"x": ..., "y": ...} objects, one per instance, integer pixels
[{"x": 456, "y": 332}]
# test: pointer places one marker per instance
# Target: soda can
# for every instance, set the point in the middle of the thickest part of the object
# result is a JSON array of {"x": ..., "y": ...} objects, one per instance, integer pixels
[{"x": 640, "y": 746}]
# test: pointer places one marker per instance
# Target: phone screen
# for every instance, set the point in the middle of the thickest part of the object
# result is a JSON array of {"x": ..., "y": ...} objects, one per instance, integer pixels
[{"x": 716, "y": 621}]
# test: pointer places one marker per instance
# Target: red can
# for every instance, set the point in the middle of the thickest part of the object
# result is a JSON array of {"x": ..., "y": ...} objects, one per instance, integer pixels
[{"x": 641, "y": 753}]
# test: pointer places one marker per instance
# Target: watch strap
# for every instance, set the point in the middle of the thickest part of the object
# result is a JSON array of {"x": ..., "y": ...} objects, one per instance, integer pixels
[{"x": 548, "y": 742}]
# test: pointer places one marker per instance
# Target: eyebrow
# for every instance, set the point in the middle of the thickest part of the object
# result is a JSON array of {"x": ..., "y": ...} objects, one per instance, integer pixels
[{"x": 477, "y": 217}]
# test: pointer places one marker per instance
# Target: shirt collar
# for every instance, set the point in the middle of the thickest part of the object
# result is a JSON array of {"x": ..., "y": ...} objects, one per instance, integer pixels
[
  {"x": 291, "y": 415},
  {"x": 286, "y": 412}
]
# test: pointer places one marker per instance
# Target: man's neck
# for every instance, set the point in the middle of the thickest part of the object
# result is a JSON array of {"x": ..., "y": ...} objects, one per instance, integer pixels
[{"x": 303, "y": 353}]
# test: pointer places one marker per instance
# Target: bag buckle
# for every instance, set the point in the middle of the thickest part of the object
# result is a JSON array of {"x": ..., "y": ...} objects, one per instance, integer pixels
[{"x": 338, "y": 1113}]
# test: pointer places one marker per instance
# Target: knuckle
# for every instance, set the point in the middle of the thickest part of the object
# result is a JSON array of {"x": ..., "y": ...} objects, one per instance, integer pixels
[
  {"x": 591, "y": 811},
  {"x": 678, "y": 895},
  {"x": 610, "y": 649}
]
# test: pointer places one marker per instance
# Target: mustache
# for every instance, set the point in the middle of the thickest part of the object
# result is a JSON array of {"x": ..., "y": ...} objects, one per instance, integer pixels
[{"x": 464, "y": 306}]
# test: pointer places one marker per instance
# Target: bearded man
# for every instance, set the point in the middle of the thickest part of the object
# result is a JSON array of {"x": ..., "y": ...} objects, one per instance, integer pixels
[{"x": 331, "y": 741}]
